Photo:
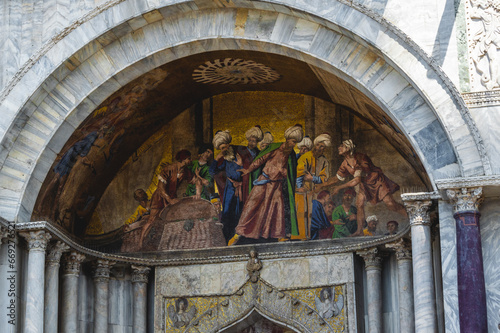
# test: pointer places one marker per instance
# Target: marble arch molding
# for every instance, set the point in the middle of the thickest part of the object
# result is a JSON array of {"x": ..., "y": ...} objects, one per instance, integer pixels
[{"x": 121, "y": 40}]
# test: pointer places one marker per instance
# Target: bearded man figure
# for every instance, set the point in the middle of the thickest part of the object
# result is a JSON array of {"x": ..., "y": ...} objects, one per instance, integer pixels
[
  {"x": 312, "y": 168},
  {"x": 269, "y": 212}
]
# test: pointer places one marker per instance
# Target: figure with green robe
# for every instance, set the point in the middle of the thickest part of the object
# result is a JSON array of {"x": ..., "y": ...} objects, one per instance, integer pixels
[
  {"x": 201, "y": 184},
  {"x": 269, "y": 212},
  {"x": 344, "y": 216}
]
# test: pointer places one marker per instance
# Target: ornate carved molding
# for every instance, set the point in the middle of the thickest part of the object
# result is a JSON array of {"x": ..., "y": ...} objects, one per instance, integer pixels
[
  {"x": 402, "y": 248},
  {"x": 102, "y": 269},
  {"x": 55, "y": 252},
  {"x": 37, "y": 240},
  {"x": 418, "y": 212},
  {"x": 444, "y": 184},
  {"x": 140, "y": 274},
  {"x": 279, "y": 250},
  {"x": 371, "y": 257},
  {"x": 482, "y": 98},
  {"x": 465, "y": 199},
  {"x": 72, "y": 262},
  {"x": 421, "y": 196}
]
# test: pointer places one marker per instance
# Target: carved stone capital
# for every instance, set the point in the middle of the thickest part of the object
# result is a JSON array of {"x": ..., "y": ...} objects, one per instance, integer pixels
[
  {"x": 140, "y": 273},
  {"x": 4, "y": 233},
  {"x": 55, "y": 251},
  {"x": 72, "y": 262},
  {"x": 402, "y": 247},
  {"x": 102, "y": 268},
  {"x": 372, "y": 259},
  {"x": 37, "y": 240},
  {"x": 465, "y": 199},
  {"x": 418, "y": 212}
]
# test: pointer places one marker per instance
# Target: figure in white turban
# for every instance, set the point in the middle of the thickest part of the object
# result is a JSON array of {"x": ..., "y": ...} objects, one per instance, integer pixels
[
  {"x": 269, "y": 212},
  {"x": 254, "y": 135},
  {"x": 266, "y": 141},
  {"x": 304, "y": 146},
  {"x": 368, "y": 180},
  {"x": 312, "y": 168}
]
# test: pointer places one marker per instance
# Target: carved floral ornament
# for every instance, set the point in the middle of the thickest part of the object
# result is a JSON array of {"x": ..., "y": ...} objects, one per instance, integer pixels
[
  {"x": 140, "y": 273},
  {"x": 102, "y": 268},
  {"x": 418, "y": 211},
  {"x": 37, "y": 240},
  {"x": 55, "y": 252},
  {"x": 372, "y": 258},
  {"x": 72, "y": 262},
  {"x": 465, "y": 199},
  {"x": 402, "y": 247}
]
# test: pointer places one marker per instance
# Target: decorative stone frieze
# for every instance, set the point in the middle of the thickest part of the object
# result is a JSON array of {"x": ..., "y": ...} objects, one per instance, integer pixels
[
  {"x": 418, "y": 212},
  {"x": 140, "y": 273},
  {"x": 55, "y": 252},
  {"x": 102, "y": 269},
  {"x": 402, "y": 247},
  {"x": 37, "y": 240},
  {"x": 465, "y": 199},
  {"x": 72, "y": 262},
  {"x": 371, "y": 257}
]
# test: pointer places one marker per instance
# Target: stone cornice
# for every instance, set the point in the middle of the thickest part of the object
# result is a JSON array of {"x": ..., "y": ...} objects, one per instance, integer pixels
[
  {"x": 221, "y": 255},
  {"x": 418, "y": 196},
  {"x": 482, "y": 181}
]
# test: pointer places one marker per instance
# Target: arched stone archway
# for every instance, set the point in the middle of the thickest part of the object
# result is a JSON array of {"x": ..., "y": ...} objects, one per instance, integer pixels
[{"x": 122, "y": 42}]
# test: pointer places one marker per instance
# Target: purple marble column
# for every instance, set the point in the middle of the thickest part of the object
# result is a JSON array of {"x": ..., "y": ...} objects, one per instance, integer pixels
[{"x": 470, "y": 274}]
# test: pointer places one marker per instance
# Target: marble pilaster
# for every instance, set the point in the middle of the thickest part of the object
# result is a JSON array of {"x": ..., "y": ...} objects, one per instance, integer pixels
[
  {"x": 101, "y": 291},
  {"x": 140, "y": 281},
  {"x": 72, "y": 262},
  {"x": 423, "y": 275},
  {"x": 373, "y": 267},
  {"x": 470, "y": 271},
  {"x": 52, "y": 286},
  {"x": 37, "y": 243},
  {"x": 405, "y": 282}
]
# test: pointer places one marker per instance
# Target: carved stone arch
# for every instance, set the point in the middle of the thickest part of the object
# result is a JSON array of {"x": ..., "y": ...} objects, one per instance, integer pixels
[
  {"x": 258, "y": 312},
  {"x": 45, "y": 86},
  {"x": 278, "y": 306}
]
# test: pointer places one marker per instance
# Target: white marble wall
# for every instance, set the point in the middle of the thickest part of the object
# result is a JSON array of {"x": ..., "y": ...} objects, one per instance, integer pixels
[
  {"x": 487, "y": 119},
  {"x": 489, "y": 225},
  {"x": 448, "y": 236}
]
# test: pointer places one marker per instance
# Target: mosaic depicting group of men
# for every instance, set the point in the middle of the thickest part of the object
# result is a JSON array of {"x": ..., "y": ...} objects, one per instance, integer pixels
[{"x": 274, "y": 193}]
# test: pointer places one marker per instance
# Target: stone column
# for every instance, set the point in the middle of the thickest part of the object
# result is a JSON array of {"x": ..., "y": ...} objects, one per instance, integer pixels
[
  {"x": 470, "y": 273},
  {"x": 423, "y": 277},
  {"x": 72, "y": 262},
  {"x": 140, "y": 283},
  {"x": 52, "y": 286},
  {"x": 101, "y": 283},
  {"x": 373, "y": 267},
  {"x": 37, "y": 243},
  {"x": 405, "y": 281}
]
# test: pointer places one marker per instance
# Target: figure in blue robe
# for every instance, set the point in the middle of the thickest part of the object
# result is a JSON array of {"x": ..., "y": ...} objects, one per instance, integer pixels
[{"x": 319, "y": 220}]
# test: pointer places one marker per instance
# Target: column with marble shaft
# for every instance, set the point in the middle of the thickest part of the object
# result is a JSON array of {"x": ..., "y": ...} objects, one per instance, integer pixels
[
  {"x": 69, "y": 302},
  {"x": 373, "y": 267},
  {"x": 102, "y": 269},
  {"x": 405, "y": 281},
  {"x": 52, "y": 286},
  {"x": 37, "y": 244},
  {"x": 470, "y": 273},
  {"x": 423, "y": 274},
  {"x": 140, "y": 283}
]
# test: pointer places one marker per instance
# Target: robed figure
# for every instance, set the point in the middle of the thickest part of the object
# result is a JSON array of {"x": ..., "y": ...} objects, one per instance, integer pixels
[{"x": 269, "y": 211}]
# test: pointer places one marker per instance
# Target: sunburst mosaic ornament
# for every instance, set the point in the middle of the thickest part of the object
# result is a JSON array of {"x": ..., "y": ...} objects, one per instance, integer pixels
[{"x": 234, "y": 71}]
